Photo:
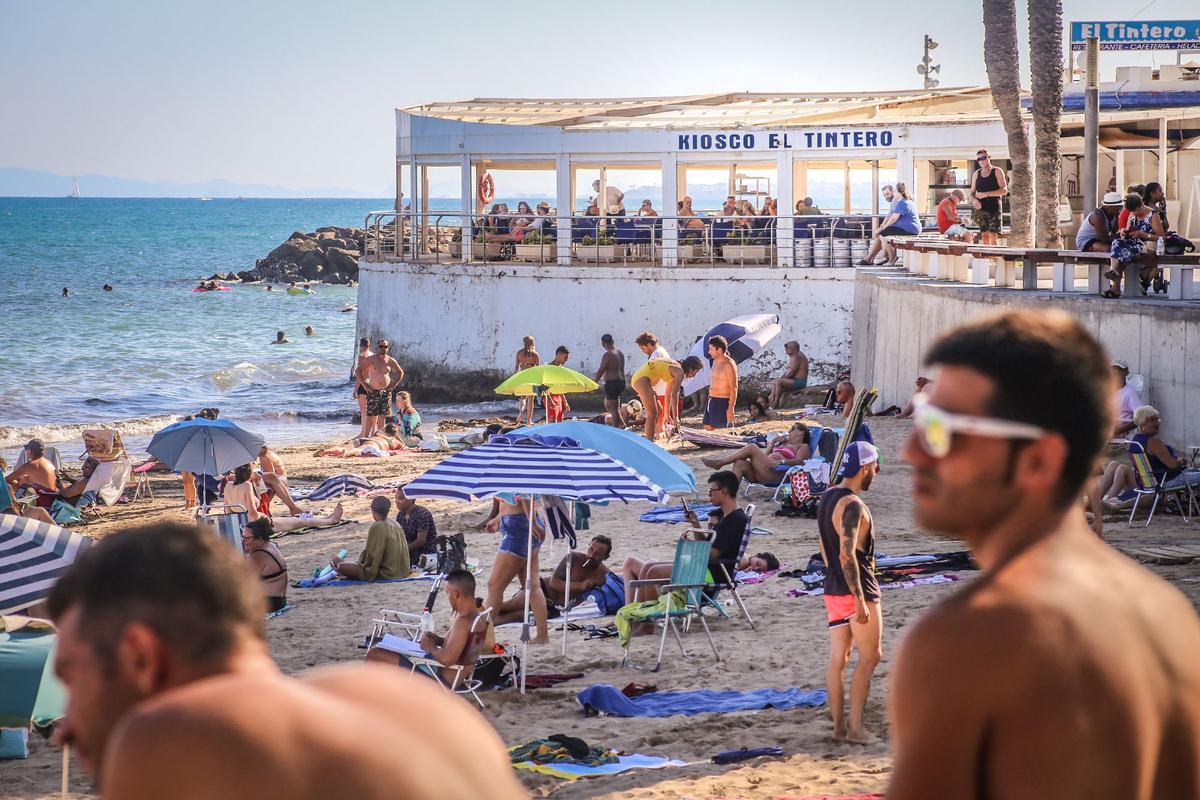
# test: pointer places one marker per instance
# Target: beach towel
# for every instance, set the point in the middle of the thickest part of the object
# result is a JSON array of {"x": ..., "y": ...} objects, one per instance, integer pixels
[
  {"x": 109, "y": 479},
  {"x": 309, "y": 529},
  {"x": 673, "y": 514},
  {"x": 283, "y": 610},
  {"x": 643, "y": 611},
  {"x": 559, "y": 749},
  {"x": 309, "y": 583},
  {"x": 734, "y": 756},
  {"x": 712, "y": 439},
  {"x": 585, "y": 610},
  {"x": 559, "y": 519},
  {"x": 928, "y": 580},
  {"x": 607, "y": 698},
  {"x": 571, "y": 772},
  {"x": 610, "y": 597}
]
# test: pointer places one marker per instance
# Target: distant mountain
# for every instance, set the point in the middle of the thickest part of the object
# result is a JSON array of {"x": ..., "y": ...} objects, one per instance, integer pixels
[{"x": 16, "y": 182}]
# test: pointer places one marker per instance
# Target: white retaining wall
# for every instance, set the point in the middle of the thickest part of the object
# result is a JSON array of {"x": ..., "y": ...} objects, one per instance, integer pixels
[
  {"x": 466, "y": 318},
  {"x": 898, "y": 316}
]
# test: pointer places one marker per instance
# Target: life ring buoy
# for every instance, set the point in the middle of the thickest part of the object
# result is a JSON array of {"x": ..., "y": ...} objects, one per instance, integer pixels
[{"x": 486, "y": 189}]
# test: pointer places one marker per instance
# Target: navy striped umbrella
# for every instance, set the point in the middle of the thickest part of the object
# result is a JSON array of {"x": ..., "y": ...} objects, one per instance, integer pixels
[
  {"x": 746, "y": 336},
  {"x": 524, "y": 464},
  {"x": 534, "y": 465},
  {"x": 32, "y": 556}
]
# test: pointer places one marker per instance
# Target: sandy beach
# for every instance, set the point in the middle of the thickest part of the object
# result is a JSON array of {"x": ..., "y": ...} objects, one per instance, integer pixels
[{"x": 788, "y": 649}]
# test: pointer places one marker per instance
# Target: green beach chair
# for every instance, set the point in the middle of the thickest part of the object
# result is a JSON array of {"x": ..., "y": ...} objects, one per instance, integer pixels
[{"x": 681, "y": 597}]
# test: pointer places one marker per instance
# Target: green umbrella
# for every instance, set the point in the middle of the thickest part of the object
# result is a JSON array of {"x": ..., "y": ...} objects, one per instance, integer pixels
[
  {"x": 30, "y": 695},
  {"x": 548, "y": 378}
]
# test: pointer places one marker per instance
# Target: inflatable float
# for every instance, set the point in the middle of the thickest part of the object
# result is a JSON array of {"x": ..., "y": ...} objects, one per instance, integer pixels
[
  {"x": 218, "y": 289},
  {"x": 298, "y": 290}
]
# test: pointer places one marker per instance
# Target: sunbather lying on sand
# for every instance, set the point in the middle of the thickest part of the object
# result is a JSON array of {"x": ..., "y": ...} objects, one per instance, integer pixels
[{"x": 380, "y": 445}]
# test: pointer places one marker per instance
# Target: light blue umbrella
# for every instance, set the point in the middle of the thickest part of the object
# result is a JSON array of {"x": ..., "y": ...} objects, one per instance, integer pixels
[
  {"x": 521, "y": 464},
  {"x": 634, "y": 451},
  {"x": 30, "y": 695},
  {"x": 205, "y": 446}
]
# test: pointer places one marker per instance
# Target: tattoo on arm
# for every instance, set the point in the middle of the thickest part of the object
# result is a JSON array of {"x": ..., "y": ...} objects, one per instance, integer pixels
[{"x": 851, "y": 518}]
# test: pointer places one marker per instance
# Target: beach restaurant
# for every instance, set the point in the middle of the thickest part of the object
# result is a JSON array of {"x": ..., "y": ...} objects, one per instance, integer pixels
[{"x": 761, "y": 146}]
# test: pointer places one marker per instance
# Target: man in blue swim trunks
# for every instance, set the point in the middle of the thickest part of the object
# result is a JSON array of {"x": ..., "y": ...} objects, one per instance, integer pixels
[
  {"x": 722, "y": 395},
  {"x": 795, "y": 377}
]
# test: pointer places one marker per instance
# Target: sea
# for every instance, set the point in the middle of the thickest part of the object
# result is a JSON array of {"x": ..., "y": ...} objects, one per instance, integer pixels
[{"x": 151, "y": 351}]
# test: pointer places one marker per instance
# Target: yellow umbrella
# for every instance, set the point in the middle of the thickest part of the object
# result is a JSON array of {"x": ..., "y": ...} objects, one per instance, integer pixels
[{"x": 547, "y": 378}]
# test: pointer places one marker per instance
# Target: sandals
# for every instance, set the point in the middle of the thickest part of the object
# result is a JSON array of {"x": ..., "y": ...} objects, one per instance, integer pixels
[
  {"x": 1110, "y": 294},
  {"x": 862, "y": 262},
  {"x": 1111, "y": 274}
]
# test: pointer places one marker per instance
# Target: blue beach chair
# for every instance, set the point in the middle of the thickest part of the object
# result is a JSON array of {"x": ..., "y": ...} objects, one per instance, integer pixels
[{"x": 683, "y": 596}]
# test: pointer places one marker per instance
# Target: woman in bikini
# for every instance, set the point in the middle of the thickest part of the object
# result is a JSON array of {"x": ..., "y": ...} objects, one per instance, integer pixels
[
  {"x": 513, "y": 524},
  {"x": 757, "y": 464},
  {"x": 267, "y": 561},
  {"x": 527, "y": 357},
  {"x": 380, "y": 445}
]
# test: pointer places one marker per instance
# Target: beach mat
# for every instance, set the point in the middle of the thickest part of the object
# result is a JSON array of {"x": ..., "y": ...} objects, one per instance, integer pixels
[
  {"x": 674, "y": 514},
  {"x": 1163, "y": 553},
  {"x": 705, "y": 438},
  {"x": 302, "y": 531},
  {"x": 308, "y": 583},
  {"x": 609, "y": 699},
  {"x": 572, "y": 772},
  {"x": 585, "y": 610},
  {"x": 348, "y": 483}
]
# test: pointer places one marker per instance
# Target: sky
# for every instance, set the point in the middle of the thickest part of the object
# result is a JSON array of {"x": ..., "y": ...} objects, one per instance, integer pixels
[{"x": 302, "y": 93}]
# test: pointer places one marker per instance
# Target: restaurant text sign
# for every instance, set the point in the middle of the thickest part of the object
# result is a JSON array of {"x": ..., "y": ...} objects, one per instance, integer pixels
[
  {"x": 1176, "y": 34},
  {"x": 807, "y": 140}
]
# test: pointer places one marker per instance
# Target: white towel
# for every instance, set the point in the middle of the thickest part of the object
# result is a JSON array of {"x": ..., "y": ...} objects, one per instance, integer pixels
[{"x": 109, "y": 480}]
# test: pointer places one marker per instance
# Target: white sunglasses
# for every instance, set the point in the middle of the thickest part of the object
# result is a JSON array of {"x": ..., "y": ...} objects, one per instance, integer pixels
[{"x": 936, "y": 427}]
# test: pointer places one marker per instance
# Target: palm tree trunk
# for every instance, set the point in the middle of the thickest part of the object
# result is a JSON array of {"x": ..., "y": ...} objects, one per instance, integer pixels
[
  {"x": 1000, "y": 58},
  {"x": 1045, "y": 60}
]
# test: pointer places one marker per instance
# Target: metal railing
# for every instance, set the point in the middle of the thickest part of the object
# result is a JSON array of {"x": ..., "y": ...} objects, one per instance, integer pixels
[{"x": 455, "y": 237}]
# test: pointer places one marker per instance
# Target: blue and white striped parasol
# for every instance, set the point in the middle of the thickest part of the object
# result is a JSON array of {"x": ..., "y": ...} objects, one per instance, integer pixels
[
  {"x": 746, "y": 336},
  {"x": 524, "y": 464},
  {"x": 32, "y": 556}
]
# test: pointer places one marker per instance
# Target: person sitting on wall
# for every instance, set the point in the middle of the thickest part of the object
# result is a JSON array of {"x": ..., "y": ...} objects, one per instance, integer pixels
[
  {"x": 1098, "y": 228},
  {"x": 949, "y": 221},
  {"x": 902, "y": 220}
]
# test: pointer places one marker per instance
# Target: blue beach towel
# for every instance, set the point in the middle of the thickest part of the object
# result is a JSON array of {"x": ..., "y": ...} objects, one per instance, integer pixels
[
  {"x": 339, "y": 485},
  {"x": 610, "y": 596},
  {"x": 674, "y": 514},
  {"x": 308, "y": 583},
  {"x": 572, "y": 772},
  {"x": 608, "y": 698}
]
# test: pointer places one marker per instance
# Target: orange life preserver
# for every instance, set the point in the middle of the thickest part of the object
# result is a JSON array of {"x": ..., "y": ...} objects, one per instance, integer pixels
[{"x": 487, "y": 188}]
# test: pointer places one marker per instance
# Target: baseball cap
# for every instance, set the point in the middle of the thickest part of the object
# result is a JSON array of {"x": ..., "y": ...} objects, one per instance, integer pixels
[
  {"x": 1113, "y": 199},
  {"x": 858, "y": 455},
  {"x": 1119, "y": 364}
]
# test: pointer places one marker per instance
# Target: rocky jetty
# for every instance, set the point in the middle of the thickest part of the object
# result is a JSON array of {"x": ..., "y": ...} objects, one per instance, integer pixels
[{"x": 327, "y": 255}]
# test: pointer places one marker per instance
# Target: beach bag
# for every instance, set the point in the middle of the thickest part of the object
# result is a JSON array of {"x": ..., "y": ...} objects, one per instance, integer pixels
[
  {"x": 65, "y": 513},
  {"x": 609, "y": 597},
  {"x": 803, "y": 496},
  {"x": 451, "y": 551},
  {"x": 490, "y": 673},
  {"x": 1176, "y": 245}
]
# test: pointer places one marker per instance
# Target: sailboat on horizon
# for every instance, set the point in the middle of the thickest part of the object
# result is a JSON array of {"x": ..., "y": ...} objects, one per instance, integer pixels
[{"x": 74, "y": 195}]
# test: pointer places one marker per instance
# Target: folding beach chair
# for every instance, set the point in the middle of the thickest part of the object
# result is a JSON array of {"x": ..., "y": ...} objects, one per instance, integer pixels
[
  {"x": 461, "y": 680},
  {"x": 682, "y": 594},
  {"x": 225, "y": 521},
  {"x": 726, "y": 581},
  {"x": 1147, "y": 483}
]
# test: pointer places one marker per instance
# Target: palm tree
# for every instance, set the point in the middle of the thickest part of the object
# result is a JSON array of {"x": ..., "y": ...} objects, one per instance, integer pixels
[
  {"x": 1046, "y": 65},
  {"x": 1000, "y": 58}
]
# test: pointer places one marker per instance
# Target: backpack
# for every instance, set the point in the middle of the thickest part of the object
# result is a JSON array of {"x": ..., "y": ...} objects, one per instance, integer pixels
[
  {"x": 451, "y": 552},
  {"x": 1176, "y": 245},
  {"x": 802, "y": 499}
]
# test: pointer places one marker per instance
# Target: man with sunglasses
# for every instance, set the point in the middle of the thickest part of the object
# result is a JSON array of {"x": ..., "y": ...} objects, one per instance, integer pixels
[
  {"x": 847, "y": 540},
  {"x": 1064, "y": 669},
  {"x": 378, "y": 374},
  {"x": 988, "y": 185}
]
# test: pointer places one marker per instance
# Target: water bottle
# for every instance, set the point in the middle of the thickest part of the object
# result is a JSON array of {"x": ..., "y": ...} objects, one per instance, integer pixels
[
  {"x": 426, "y": 624},
  {"x": 1160, "y": 246}
]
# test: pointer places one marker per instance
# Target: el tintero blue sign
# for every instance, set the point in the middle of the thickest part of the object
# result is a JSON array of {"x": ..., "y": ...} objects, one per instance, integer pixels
[{"x": 1176, "y": 34}]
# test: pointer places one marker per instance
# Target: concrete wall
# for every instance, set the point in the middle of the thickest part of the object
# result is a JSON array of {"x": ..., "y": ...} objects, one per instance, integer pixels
[
  {"x": 898, "y": 316},
  {"x": 456, "y": 327}
]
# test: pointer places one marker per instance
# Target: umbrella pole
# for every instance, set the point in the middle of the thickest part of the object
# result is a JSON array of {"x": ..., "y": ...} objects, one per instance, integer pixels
[
  {"x": 566, "y": 601},
  {"x": 528, "y": 591}
]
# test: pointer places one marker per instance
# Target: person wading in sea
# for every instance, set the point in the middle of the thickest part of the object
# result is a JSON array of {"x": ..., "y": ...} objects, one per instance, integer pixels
[{"x": 1065, "y": 669}]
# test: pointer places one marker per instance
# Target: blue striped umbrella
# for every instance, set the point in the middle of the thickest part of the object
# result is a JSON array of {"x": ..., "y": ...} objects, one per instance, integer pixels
[
  {"x": 32, "y": 556},
  {"x": 535, "y": 465},
  {"x": 524, "y": 464}
]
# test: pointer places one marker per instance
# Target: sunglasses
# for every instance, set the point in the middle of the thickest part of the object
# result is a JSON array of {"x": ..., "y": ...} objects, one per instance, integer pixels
[
  {"x": 983, "y": 158},
  {"x": 935, "y": 427}
]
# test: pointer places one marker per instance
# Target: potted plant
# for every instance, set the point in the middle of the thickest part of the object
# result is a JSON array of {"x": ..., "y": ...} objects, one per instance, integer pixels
[
  {"x": 536, "y": 248},
  {"x": 601, "y": 250},
  {"x": 487, "y": 251},
  {"x": 455, "y": 245},
  {"x": 741, "y": 251}
]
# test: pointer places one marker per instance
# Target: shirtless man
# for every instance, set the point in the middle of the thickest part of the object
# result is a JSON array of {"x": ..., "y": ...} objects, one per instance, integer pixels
[
  {"x": 611, "y": 375},
  {"x": 671, "y": 372},
  {"x": 852, "y": 608},
  {"x": 379, "y": 374},
  {"x": 795, "y": 377},
  {"x": 722, "y": 395},
  {"x": 459, "y": 647},
  {"x": 1064, "y": 669},
  {"x": 588, "y": 571},
  {"x": 274, "y": 475},
  {"x": 527, "y": 357},
  {"x": 360, "y": 391},
  {"x": 173, "y": 692},
  {"x": 38, "y": 471}
]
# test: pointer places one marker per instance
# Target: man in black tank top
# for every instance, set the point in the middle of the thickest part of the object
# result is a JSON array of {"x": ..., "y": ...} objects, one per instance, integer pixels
[
  {"x": 988, "y": 185},
  {"x": 851, "y": 589}
]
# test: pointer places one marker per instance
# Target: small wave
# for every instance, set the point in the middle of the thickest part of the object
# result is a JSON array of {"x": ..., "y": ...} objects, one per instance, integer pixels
[
  {"x": 16, "y": 436},
  {"x": 293, "y": 370},
  {"x": 320, "y": 414}
]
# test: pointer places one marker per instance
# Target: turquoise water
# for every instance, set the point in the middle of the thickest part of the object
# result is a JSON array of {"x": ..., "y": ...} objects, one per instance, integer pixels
[{"x": 152, "y": 349}]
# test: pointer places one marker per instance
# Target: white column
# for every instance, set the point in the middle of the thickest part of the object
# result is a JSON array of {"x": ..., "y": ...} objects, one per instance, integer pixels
[
  {"x": 785, "y": 228},
  {"x": 1119, "y": 158},
  {"x": 467, "y": 187},
  {"x": 565, "y": 204},
  {"x": 670, "y": 192},
  {"x": 1162, "y": 154},
  {"x": 904, "y": 168}
]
